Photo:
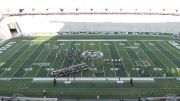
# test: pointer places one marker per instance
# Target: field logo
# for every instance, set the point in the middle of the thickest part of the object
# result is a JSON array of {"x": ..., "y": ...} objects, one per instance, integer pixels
[{"x": 92, "y": 54}]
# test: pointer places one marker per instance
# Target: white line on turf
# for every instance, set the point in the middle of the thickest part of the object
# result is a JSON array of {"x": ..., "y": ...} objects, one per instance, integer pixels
[
  {"x": 93, "y": 40},
  {"x": 141, "y": 59},
  {"x": 169, "y": 50},
  {"x": 170, "y": 61},
  {"x": 18, "y": 59},
  {"x": 111, "y": 58},
  {"x": 159, "y": 59},
  {"x": 102, "y": 61},
  {"x": 32, "y": 64},
  {"x": 130, "y": 60},
  {"x": 84, "y": 47},
  {"x": 15, "y": 47},
  {"x": 120, "y": 57},
  {"x": 65, "y": 56},
  {"x": 54, "y": 60},
  {"x": 150, "y": 61},
  {"x": 43, "y": 61}
]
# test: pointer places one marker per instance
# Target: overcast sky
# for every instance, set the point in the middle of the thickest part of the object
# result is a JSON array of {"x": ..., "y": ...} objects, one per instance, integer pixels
[{"x": 170, "y": 4}]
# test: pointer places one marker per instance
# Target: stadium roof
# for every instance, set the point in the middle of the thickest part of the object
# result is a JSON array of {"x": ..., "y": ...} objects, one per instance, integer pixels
[{"x": 95, "y": 4}]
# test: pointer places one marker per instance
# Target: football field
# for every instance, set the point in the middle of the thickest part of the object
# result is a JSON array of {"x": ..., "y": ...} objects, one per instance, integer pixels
[
  {"x": 25, "y": 58},
  {"x": 38, "y": 56}
]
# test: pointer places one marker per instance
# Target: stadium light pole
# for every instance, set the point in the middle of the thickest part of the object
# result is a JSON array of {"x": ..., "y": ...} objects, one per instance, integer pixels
[
  {"x": 77, "y": 9},
  {"x": 61, "y": 9},
  {"x": 91, "y": 9},
  {"x": 33, "y": 9},
  {"x": 47, "y": 9}
]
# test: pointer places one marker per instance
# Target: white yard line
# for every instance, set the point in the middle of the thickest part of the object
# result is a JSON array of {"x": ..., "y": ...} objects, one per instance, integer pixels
[
  {"x": 170, "y": 61},
  {"x": 73, "y": 57},
  {"x": 105, "y": 40},
  {"x": 18, "y": 59},
  {"x": 140, "y": 59},
  {"x": 16, "y": 48},
  {"x": 130, "y": 59},
  {"x": 53, "y": 61},
  {"x": 158, "y": 59},
  {"x": 10, "y": 57},
  {"x": 32, "y": 64},
  {"x": 93, "y": 75},
  {"x": 93, "y": 40},
  {"x": 84, "y": 47},
  {"x": 44, "y": 61},
  {"x": 120, "y": 57},
  {"x": 65, "y": 56},
  {"x": 102, "y": 61},
  {"x": 151, "y": 61},
  {"x": 169, "y": 50},
  {"x": 111, "y": 58}
]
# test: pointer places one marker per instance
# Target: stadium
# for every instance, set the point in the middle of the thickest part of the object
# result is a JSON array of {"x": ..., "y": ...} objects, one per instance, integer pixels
[{"x": 90, "y": 50}]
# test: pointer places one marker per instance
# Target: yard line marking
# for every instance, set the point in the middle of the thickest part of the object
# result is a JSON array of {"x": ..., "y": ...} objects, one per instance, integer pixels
[
  {"x": 60, "y": 51},
  {"x": 23, "y": 62},
  {"x": 159, "y": 60},
  {"x": 15, "y": 47},
  {"x": 10, "y": 57},
  {"x": 44, "y": 61},
  {"x": 32, "y": 63},
  {"x": 111, "y": 58},
  {"x": 65, "y": 56},
  {"x": 18, "y": 59},
  {"x": 93, "y": 75},
  {"x": 151, "y": 61},
  {"x": 73, "y": 57},
  {"x": 73, "y": 63},
  {"x": 53, "y": 61},
  {"x": 94, "y": 40},
  {"x": 178, "y": 58},
  {"x": 165, "y": 56},
  {"x": 84, "y": 47},
  {"x": 102, "y": 59},
  {"x": 120, "y": 57},
  {"x": 105, "y": 40},
  {"x": 141, "y": 59},
  {"x": 131, "y": 60}
]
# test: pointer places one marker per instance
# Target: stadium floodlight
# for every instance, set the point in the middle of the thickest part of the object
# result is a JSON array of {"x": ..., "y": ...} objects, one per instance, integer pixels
[
  {"x": 21, "y": 10},
  {"x": 77, "y": 9},
  {"x": 61, "y": 9},
  {"x": 91, "y": 9}
]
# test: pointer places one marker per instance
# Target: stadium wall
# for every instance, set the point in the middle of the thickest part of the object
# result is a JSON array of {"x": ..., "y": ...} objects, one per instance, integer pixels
[{"x": 4, "y": 31}]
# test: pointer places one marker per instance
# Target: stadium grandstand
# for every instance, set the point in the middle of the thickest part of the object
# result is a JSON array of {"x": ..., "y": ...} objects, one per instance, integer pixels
[{"x": 89, "y": 50}]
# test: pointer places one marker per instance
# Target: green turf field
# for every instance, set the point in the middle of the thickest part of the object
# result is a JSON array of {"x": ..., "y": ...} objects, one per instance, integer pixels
[{"x": 136, "y": 56}]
